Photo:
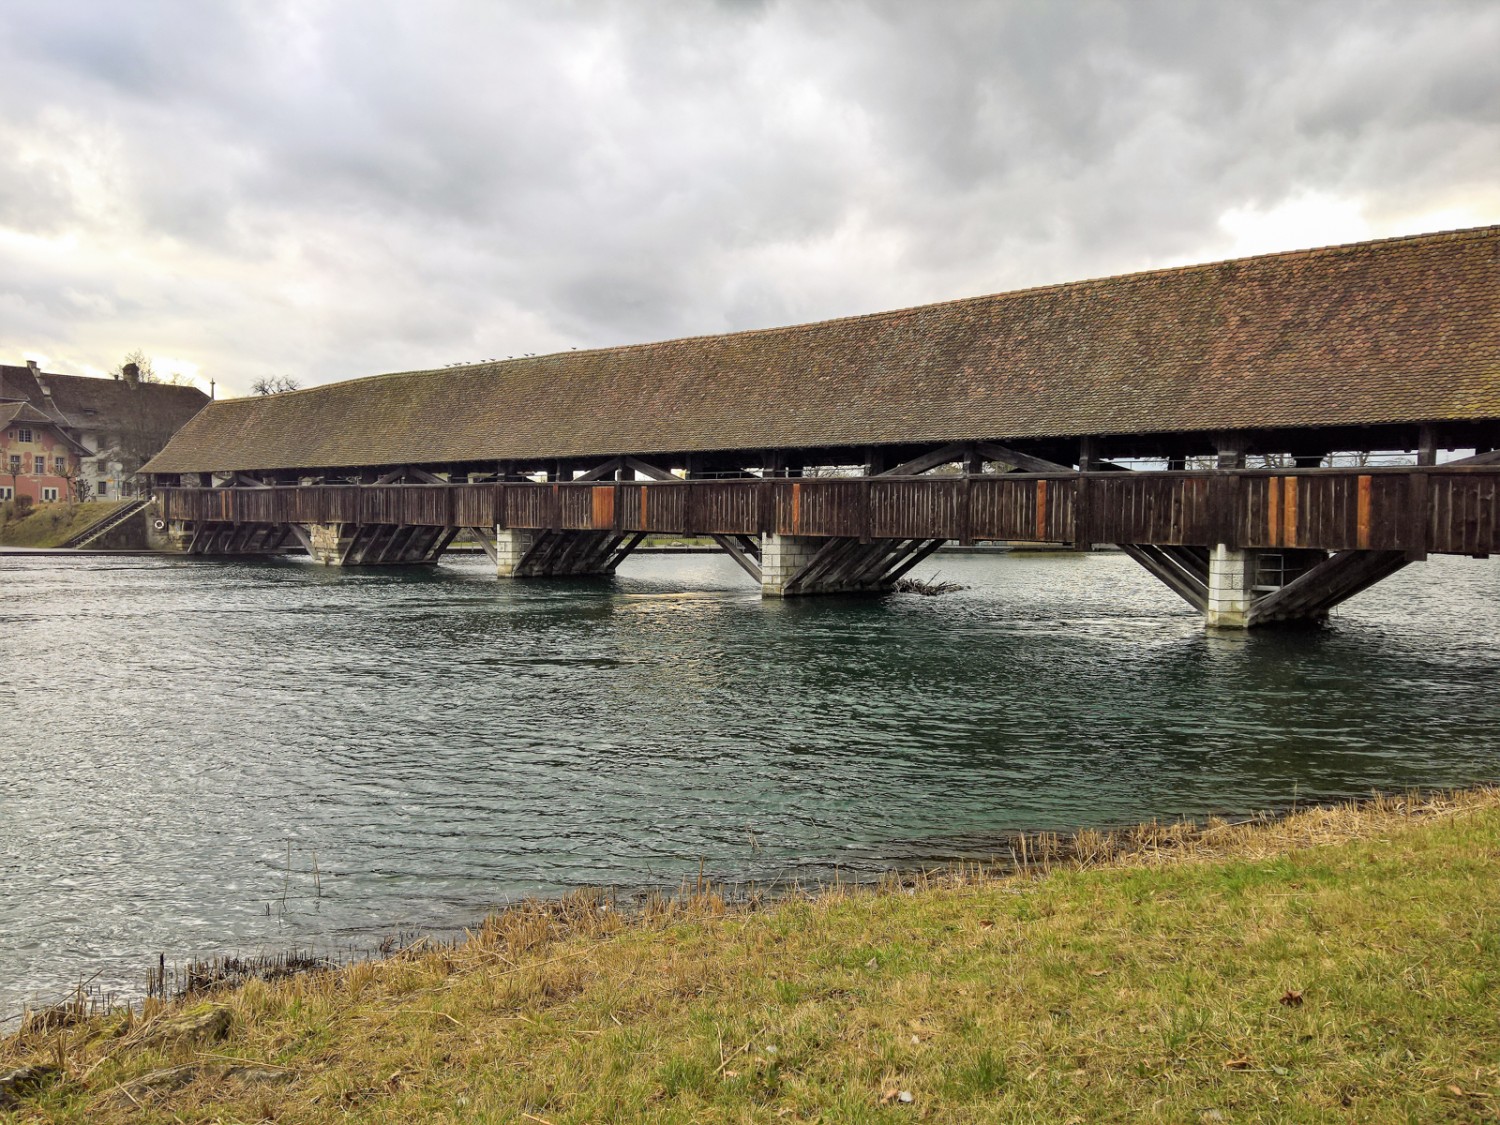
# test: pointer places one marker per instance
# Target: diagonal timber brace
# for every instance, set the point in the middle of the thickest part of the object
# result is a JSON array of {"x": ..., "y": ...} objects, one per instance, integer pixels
[
  {"x": 1184, "y": 570},
  {"x": 845, "y": 565},
  {"x": 1331, "y": 582}
]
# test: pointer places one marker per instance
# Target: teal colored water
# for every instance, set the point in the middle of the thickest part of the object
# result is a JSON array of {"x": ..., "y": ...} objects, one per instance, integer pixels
[{"x": 183, "y": 743}]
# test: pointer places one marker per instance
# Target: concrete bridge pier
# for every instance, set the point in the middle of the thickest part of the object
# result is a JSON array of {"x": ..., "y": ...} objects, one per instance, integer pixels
[
  {"x": 1242, "y": 588},
  {"x": 1230, "y": 591}
]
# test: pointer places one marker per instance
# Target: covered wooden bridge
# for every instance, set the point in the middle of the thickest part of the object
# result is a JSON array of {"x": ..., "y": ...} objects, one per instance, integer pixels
[{"x": 833, "y": 457}]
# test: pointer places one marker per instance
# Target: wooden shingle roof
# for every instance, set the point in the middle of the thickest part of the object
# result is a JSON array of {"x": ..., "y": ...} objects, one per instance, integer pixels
[{"x": 1395, "y": 331}]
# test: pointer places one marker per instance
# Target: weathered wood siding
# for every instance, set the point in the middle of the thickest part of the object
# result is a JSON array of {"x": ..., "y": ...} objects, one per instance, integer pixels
[{"x": 1452, "y": 510}]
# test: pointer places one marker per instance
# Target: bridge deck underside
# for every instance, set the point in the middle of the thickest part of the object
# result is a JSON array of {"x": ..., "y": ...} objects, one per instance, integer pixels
[{"x": 1443, "y": 509}]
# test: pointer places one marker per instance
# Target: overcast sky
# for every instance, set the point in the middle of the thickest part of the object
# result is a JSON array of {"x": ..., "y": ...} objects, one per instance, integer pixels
[{"x": 326, "y": 189}]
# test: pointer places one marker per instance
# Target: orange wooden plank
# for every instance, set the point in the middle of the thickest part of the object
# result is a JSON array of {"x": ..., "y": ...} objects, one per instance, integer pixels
[
  {"x": 1273, "y": 512},
  {"x": 1041, "y": 511},
  {"x": 603, "y": 504},
  {"x": 1289, "y": 513}
]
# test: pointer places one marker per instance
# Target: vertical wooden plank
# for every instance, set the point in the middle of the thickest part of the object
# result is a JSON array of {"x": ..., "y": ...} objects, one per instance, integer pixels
[
  {"x": 1416, "y": 516},
  {"x": 1362, "y": 513},
  {"x": 796, "y": 507},
  {"x": 1273, "y": 512},
  {"x": 1289, "y": 514},
  {"x": 602, "y": 506},
  {"x": 1041, "y": 511}
]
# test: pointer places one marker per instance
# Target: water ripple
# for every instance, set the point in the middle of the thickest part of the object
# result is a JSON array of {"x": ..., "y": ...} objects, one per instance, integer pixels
[{"x": 183, "y": 744}]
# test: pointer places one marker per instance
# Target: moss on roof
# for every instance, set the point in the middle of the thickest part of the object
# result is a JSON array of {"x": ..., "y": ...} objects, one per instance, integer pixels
[{"x": 1394, "y": 331}]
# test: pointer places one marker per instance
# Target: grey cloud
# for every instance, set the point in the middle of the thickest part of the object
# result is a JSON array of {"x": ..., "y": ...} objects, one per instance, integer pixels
[{"x": 336, "y": 189}]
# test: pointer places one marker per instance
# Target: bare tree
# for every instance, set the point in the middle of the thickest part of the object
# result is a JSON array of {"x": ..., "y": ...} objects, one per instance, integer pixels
[
  {"x": 274, "y": 385},
  {"x": 137, "y": 367}
]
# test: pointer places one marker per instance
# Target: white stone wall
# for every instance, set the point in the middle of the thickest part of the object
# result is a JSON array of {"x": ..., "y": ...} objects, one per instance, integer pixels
[
  {"x": 1231, "y": 578},
  {"x": 511, "y": 545},
  {"x": 781, "y": 557}
]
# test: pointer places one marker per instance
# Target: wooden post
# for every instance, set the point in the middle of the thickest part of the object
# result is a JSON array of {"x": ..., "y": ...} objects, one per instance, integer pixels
[
  {"x": 1231, "y": 449},
  {"x": 1088, "y": 459},
  {"x": 965, "y": 486},
  {"x": 1417, "y": 516},
  {"x": 1426, "y": 445}
]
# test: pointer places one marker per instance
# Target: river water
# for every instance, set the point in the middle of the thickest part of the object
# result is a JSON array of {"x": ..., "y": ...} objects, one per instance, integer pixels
[{"x": 202, "y": 757}]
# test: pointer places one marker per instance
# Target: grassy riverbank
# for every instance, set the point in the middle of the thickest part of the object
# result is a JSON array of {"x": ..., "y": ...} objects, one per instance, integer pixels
[
  {"x": 1339, "y": 964},
  {"x": 50, "y": 525}
]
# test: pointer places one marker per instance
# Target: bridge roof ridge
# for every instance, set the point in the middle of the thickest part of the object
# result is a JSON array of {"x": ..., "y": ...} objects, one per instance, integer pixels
[
  {"x": 1389, "y": 331},
  {"x": 1111, "y": 280}
]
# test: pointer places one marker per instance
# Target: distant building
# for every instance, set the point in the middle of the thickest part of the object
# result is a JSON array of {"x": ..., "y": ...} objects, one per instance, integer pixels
[
  {"x": 116, "y": 425},
  {"x": 38, "y": 457}
]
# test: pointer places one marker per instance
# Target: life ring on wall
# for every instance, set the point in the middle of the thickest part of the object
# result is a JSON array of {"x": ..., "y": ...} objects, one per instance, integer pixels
[{"x": 160, "y": 525}]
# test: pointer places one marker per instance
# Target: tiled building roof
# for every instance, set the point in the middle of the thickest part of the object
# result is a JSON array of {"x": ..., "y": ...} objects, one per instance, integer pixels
[
  {"x": 23, "y": 412},
  {"x": 86, "y": 403},
  {"x": 26, "y": 414},
  {"x": 1396, "y": 331}
]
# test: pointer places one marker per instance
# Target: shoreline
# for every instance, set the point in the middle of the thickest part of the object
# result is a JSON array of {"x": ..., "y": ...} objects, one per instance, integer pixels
[
  {"x": 1001, "y": 854},
  {"x": 1145, "y": 869}
]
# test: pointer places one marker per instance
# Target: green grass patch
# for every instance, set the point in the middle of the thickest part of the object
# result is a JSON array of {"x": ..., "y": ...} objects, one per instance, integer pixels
[{"x": 50, "y": 525}]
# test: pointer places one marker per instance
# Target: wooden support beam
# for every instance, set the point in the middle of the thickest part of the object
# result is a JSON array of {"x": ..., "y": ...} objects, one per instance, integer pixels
[
  {"x": 623, "y": 547},
  {"x": 844, "y": 563},
  {"x": 1025, "y": 462},
  {"x": 441, "y": 540},
  {"x": 650, "y": 472},
  {"x": 1334, "y": 580},
  {"x": 1489, "y": 457},
  {"x": 1088, "y": 454},
  {"x": 1231, "y": 451},
  {"x": 943, "y": 455},
  {"x": 919, "y": 554},
  {"x": 605, "y": 471},
  {"x": 742, "y": 558},
  {"x": 1178, "y": 572},
  {"x": 354, "y": 547},
  {"x": 1426, "y": 445},
  {"x": 486, "y": 542}
]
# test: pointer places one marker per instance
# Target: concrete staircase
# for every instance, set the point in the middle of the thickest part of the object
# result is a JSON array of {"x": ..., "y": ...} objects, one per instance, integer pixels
[{"x": 102, "y": 527}]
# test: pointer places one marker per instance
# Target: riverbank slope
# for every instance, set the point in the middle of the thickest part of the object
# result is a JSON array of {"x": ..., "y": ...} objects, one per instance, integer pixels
[
  {"x": 1341, "y": 962},
  {"x": 50, "y": 525}
]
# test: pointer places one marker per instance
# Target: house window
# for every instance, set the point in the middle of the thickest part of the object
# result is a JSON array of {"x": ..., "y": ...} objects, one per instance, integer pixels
[
  {"x": 6, "y": 492},
  {"x": 48, "y": 495},
  {"x": 60, "y": 465},
  {"x": 15, "y": 462},
  {"x": 39, "y": 463},
  {"x": 23, "y": 434},
  {"x": 104, "y": 488}
]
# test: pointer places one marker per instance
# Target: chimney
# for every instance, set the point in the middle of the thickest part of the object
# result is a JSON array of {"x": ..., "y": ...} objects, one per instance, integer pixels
[
  {"x": 132, "y": 373},
  {"x": 35, "y": 370}
]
